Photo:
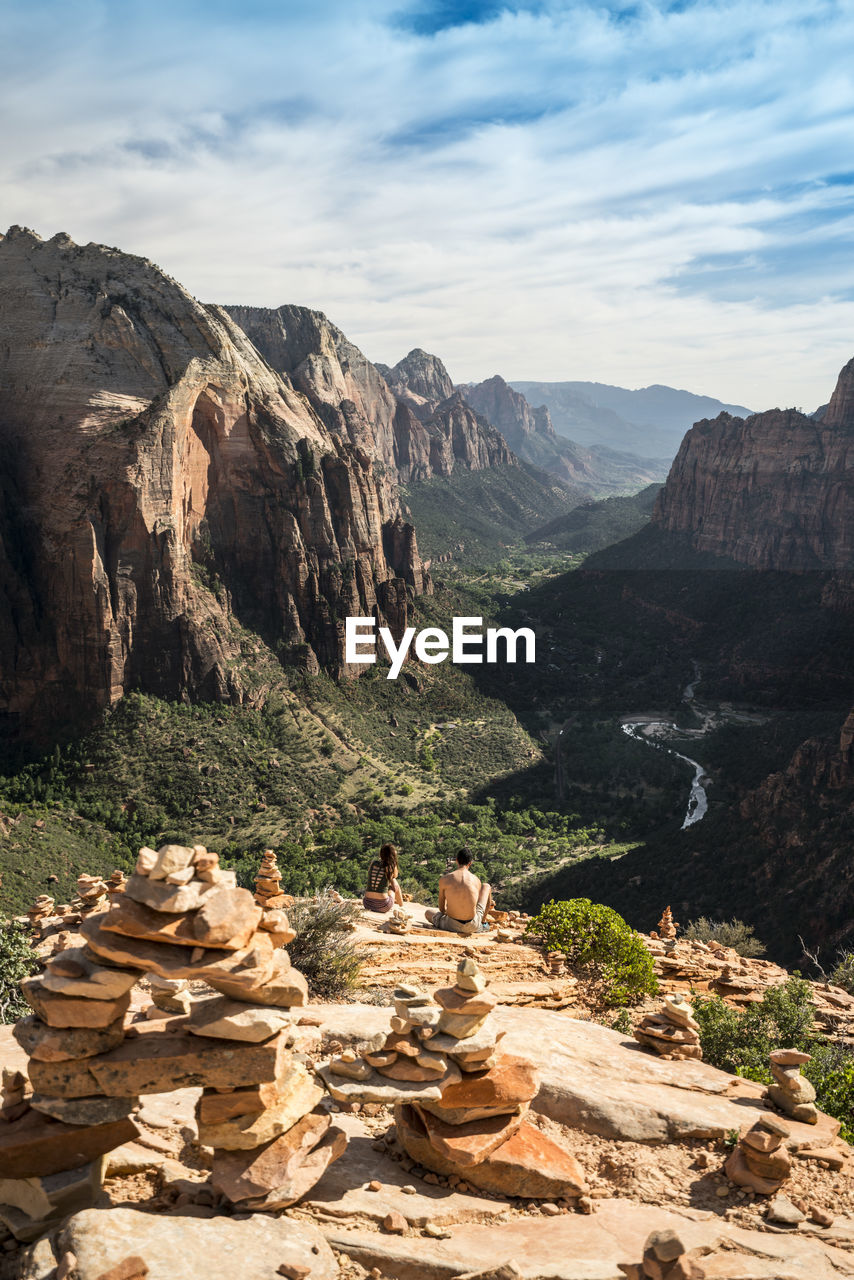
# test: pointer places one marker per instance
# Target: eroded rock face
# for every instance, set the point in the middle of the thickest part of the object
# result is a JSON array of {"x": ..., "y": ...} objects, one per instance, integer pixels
[
  {"x": 408, "y": 418},
  {"x": 772, "y": 491},
  {"x": 161, "y": 483}
]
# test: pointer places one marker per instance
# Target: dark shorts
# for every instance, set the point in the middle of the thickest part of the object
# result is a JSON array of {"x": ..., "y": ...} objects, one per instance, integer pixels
[
  {"x": 450, "y": 925},
  {"x": 380, "y": 905}
]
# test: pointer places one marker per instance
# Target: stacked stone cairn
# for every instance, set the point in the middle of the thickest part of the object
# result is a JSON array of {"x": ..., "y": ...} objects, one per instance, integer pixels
[
  {"x": 673, "y": 1032},
  {"x": 665, "y": 1257},
  {"x": 667, "y": 927},
  {"x": 116, "y": 883},
  {"x": 180, "y": 918},
  {"x": 42, "y": 909},
  {"x": 268, "y": 891},
  {"x": 760, "y": 1160},
  {"x": 91, "y": 896},
  {"x": 460, "y": 1103},
  {"x": 791, "y": 1091},
  {"x": 399, "y": 922}
]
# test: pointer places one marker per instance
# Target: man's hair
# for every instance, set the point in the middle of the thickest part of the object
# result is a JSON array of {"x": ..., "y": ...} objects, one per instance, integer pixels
[{"x": 464, "y": 858}]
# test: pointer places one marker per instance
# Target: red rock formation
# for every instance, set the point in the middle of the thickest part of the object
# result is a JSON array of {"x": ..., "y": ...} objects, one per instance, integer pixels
[
  {"x": 421, "y": 381},
  {"x": 772, "y": 491},
  {"x": 161, "y": 485}
]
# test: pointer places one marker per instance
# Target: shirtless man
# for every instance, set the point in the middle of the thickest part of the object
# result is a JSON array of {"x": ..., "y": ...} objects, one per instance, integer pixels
[{"x": 463, "y": 900}]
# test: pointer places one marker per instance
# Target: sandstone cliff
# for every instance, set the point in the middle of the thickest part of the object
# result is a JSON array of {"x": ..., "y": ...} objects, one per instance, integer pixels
[
  {"x": 772, "y": 491},
  {"x": 164, "y": 487},
  {"x": 430, "y": 433}
]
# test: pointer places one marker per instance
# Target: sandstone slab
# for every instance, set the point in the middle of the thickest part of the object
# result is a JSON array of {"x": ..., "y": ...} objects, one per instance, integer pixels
[
  {"x": 72, "y": 1011},
  {"x": 510, "y": 1083},
  {"x": 298, "y": 1093},
  {"x": 225, "y": 1019},
  {"x": 75, "y": 973},
  {"x": 170, "y": 960},
  {"x": 529, "y": 1164},
  {"x": 158, "y": 1060},
  {"x": 284, "y": 986},
  {"x": 186, "y": 1248},
  {"x": 32, "y": 1206},
  {"x": 161, "y": 896},
  {"x": 36, "y": 1145},
  {"x": 280, "y": 1172},
  {"x": 56, "y": 1044},
  {"x": 215, "y": 1108},
  {"x": 84, "y": 1110},
  {"x": 135, "y": 920},
  {"x": 467, "y": 1144},
  {"x": 226, "y": 916},
  {"x": 379, "y": 1089}
]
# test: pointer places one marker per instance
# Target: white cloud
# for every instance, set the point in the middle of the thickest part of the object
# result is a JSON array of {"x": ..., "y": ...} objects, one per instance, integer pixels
[{"x": 549, "y": 195}]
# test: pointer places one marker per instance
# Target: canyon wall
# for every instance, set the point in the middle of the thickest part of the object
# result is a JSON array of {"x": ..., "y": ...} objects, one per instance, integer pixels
[{"x": 164, "y": 489}]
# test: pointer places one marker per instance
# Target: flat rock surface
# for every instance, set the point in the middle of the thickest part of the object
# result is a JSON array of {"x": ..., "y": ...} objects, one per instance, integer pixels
[
  {"x": 343, "y": 1192},
  {"x": 578, "y": 1247},
  {"x": 187, "y": 1248},
  {"x": 597, "y": 1080}
]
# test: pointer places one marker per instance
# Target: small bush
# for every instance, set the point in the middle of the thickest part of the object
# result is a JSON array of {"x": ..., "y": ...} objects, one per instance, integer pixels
[
  {"x": 729, "y": 933},
  {"x": 740, "y": 1042},
  {"x": 323, "y": 949},
  {"x": 843, "y": 973},
  {"x": 17, "y": 961},
  {"x": 592, "y": 935}
]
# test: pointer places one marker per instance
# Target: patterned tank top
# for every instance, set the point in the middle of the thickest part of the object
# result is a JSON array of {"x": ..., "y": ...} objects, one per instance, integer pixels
[{"x": 377, "y": 878}]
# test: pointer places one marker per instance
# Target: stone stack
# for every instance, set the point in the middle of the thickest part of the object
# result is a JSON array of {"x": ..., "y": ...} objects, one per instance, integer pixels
[
  {"x": 399, "y": 922},
  {"x": 667, "y": 927},
  {"x": 91, "y": 896},
  {"x": 116, "y": 883},
  {"x": 791, "y": 1091},
  {"x": 673, "y": 1032},
  {"x": 460, "y": 1104},
  {"x": 268, "y": 891},
  {"x": 42, "y": 909},
  {"x": 180, "y": 918},
  {"x": 169, "y": 996},
  {"x": 665, "y": 1257},
  {"x": 760, "y": 1161}
]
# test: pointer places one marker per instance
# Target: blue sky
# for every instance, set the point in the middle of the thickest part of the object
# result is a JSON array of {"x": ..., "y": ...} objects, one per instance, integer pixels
[{"x": 623, "y": 192}]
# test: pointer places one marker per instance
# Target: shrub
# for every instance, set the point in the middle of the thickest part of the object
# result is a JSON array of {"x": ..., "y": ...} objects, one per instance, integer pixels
[
  {"x": 740, "y": 1042},
  {"x": 590, "y": 934},
  {"x": 17, "y": 961},
  {"x": 729, "y": 933},
  {"x": 843, "y": 973},
  {"x": 323, "y": 948}
]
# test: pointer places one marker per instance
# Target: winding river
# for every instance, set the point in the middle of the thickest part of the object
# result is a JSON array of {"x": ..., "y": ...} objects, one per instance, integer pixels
[{"x": 653, "y": 732}]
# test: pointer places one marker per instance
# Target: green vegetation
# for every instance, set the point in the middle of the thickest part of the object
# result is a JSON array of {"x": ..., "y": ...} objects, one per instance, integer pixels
[
  {"x": 323, "y": 948},
  {"x": 842, "y": 974},
  {"x": 595, "y": 525},
  {"x": 729, "y": 933},
  {"x": 17, "y": 961},
  {"x": 592, "y": 935},
  {"x": 740, "y": 1042}
]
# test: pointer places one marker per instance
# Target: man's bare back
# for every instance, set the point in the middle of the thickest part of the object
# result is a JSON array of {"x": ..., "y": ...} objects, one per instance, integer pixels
[{"x": 458, "y": 893}]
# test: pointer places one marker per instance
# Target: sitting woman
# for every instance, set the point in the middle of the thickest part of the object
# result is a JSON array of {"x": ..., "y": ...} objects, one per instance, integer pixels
[{"x": 383, "y": 891}]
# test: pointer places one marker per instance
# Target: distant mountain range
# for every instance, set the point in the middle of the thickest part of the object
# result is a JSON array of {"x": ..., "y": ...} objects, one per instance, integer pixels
[{"x": 649, "y": 421}]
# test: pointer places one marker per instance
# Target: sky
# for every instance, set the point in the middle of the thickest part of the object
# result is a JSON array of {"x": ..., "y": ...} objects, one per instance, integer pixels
[{"x": 620, "y": 192}]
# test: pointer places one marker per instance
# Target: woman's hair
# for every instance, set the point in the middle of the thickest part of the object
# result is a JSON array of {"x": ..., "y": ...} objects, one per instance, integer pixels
[{"x": 388, "y": 857}]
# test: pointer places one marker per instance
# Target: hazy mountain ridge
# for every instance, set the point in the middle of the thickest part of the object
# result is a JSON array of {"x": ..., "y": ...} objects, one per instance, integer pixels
[{"x": 649, "y": 421}]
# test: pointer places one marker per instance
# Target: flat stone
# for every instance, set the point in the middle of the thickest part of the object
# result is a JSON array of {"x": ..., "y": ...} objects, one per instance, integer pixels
[
  {"x": 284, "y": 986},
  {"x": 467, "y": 1144},
  {"x": 528, "y": 1164},
  {"x": 483, "y": 1041},
  {"x": 215, "y": 1108},
  {"x": 36, "y": 1145},
  {"x": 71, "y": 1011},
  {"x": 135, "y": 920},
  {"x": 783, "y": 1211},
  {"x": 471, "y": 1004},
  {"x": 56, "y": 1044},
  {"x": 789, "y": 1057},
  {"x": 40, "y": 1204},
  {"x": 460, "y": 1025},
  {"x": 158, "y": 1060},
  {"x": 768, "y": 1164},
  {"x": 510, "y": 1083},
  {"x": 298, "y": 1094},
  {"x": 761, "y": 1140},
  {"x": 226, "y": 916},
  {"x": 411, "y": 1069},
  {"x": 379, "y": 1089},
  {"x": 92, "y": 981},
  {"x": 253, "y": 1175},
  {"x": 84, "y": 1110},
  {"x": 177, "y": 1247},
  {"x": 805, "y": 1111},
  {"x": 226, "y": 1019},
  {"x": 161, "y": 896},
  {"x": 251, "y": 964}
]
